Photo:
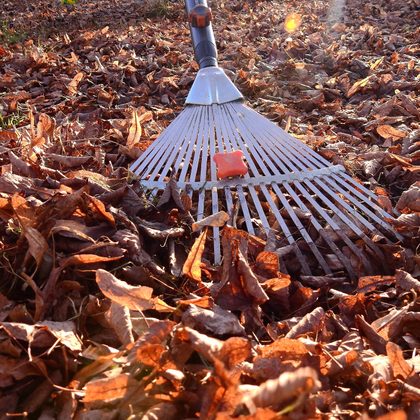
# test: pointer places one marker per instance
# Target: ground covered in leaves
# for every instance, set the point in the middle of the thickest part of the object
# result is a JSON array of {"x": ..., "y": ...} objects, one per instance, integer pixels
[{"x": 109, "y": 304}]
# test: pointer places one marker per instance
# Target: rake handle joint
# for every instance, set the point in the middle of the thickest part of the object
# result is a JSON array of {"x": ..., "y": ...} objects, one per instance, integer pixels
[{"x": 204, "y": 43}]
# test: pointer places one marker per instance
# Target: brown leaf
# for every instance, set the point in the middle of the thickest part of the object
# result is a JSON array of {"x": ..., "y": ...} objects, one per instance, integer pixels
[
  {"x": 234, "y": 351},
  {"x": 405, "y": 282},
  {"x": 74, "y": 83},
  {"x": 192, "y": 265},
  {"x": 267, "y": 264},
  {"x": 150, "y": 354},
  {"x": 11, "y": 183},
  {"x": 207, "y": 346},
  {"x": 277, "y": 290},
  {"x": 161, "y": 411},
  {"x": 135, "y": 130},
  {"x": 393, "y": 415},
  {"x": 410, "y": 199},
  {"x": 119, "y": 318},
  {"x": 357, "y": 86},
  {"x": 133, "y": 297},
  {"x": 71, "y": 229},
  {"x": 400, "y": 367},
  {"x": 21, "y": 167},
  {"x": 309, "y": 323},
  {"x": 69, "y": 161},
  {"x": 150, "y": 346},
  {"x": 82, "y": 259},
  {"x": 38, "y": 246},
  {"x": 171, "y": 192},
  {"x": 6, "y": 135},
  {"x": 35, "y": 400},
  {"x": 216, "y": 320},
  {"x": 250, "y": 281},
  {"x": 41, "y": 333},
  {"x": 99, "y": 207},
  {"x": 389, "y": 132},
  {"x": 341, "y": 362},
  {"x": 272, "y": 358},
  {"x": 377, "y": 343},
  {"x": 104, "y": 391},
  {"x": 288, "y": 385},
  {"x": 218, "y": 219}
]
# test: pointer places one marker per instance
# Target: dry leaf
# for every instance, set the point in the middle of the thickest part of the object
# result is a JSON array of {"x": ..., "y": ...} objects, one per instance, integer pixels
[
  {"x": 119, "y": 318},
  {"x": 216, "y": 320},
  {"x": 135, "y": 130},
  {"x": 218, "y": 219},
  {"x": 133, "y": 297},
  {"x": 309, "y": 323},
  {"x": 38, "y": 246},
  {"x": 389, "y": 132},
  {"x": 104, "y": 391},
  {"x": 74, "y": 83},
  {"x": 288, "y": 385},
  {"x": 192, "y": 265}
]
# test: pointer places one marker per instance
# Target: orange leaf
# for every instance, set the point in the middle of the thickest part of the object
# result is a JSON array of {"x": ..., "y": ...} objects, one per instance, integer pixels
[
  {"x": 109, "y": 389},
  {"x": 6, "y": 135},
  {"x": 73, "y": 85},
  {"x": 357, "y": 85},
  {"x": 135, "y": 130},
  {"x": 133, "y": 297},
  {"x": 192, "y": 265},
  {"x": 389, "y": 132}
]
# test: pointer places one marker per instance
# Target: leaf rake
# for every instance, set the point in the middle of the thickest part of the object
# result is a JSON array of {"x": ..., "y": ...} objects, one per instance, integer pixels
[{"x": 314, "y": 209}]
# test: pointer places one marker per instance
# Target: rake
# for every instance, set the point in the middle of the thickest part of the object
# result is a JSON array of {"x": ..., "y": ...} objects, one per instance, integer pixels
[{"x": 322, "y": 220}]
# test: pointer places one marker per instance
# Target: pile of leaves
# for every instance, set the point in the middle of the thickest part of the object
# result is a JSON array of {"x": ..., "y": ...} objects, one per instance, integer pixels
[{"x": 110, "y": 305}]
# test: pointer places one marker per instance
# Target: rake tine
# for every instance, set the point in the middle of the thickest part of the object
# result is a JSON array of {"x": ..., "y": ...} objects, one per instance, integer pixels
[
  {"x": 344, "y": 260},
  {"x": 333, "y": 225},
  {"x": 264, "y": 158},
  {"x": 214, "y": 195},
  {"x": 251, "y": 189},
  {"x": 302, "y": 229},
  {"x": 337, "y": 198},
  {"x": 194, "y": 144},
  {"x": 154, "y": 151},
  {"x": 160, "y": 166},
  {"x": 358, "y": 204},
  {"x": 229, "y": 147},
  {"x": 245, "y": 210},
  {"x": 177, "y": 152}
]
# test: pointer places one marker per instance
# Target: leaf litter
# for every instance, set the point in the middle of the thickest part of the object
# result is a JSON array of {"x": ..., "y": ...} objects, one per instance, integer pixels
[{"x": 109, "y": 303}]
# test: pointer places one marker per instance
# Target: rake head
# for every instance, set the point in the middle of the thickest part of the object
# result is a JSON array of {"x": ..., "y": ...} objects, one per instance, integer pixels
[
  {"x": 313, "y": 209},
  {"x": 320, "y": 219}
]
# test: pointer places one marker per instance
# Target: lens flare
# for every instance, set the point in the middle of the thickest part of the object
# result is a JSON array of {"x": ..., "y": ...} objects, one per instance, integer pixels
[{"x": 292, "y": 22}]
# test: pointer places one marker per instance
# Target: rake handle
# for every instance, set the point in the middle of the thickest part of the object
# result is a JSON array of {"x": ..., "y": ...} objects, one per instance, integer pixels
[{"x": 202, "y": 36}]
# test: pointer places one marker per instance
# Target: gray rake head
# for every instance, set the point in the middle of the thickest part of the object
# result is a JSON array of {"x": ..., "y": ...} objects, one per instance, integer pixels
[{"x": 314, "y": 208}]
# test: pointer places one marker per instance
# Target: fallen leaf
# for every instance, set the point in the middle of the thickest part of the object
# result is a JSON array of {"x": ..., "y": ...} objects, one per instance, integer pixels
[
  {"x": 38, "y": 246},
  {"x": 119, "y": 318},
  {"x": 218, "y": 219},
  {"x": 309, "y": 323},
  {"x": 216, "y": 320},
  {"x": 135, "y": 130},
  {"x": 191, "y": 266},
  {"x": 104, "y": 391},
  {"x": 288, "y": 385},
  {"x": 389, "y": 132},
  {"x": 137, "y": 298},
  {"x": 74, "y": 83}
]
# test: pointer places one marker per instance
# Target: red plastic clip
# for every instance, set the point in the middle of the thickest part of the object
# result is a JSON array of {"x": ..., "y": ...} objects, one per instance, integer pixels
[{"x": 230, "y": 164}]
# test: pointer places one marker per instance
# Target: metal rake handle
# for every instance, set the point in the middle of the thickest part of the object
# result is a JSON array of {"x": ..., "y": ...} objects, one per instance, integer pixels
[{"x": 199, "y": 16}]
